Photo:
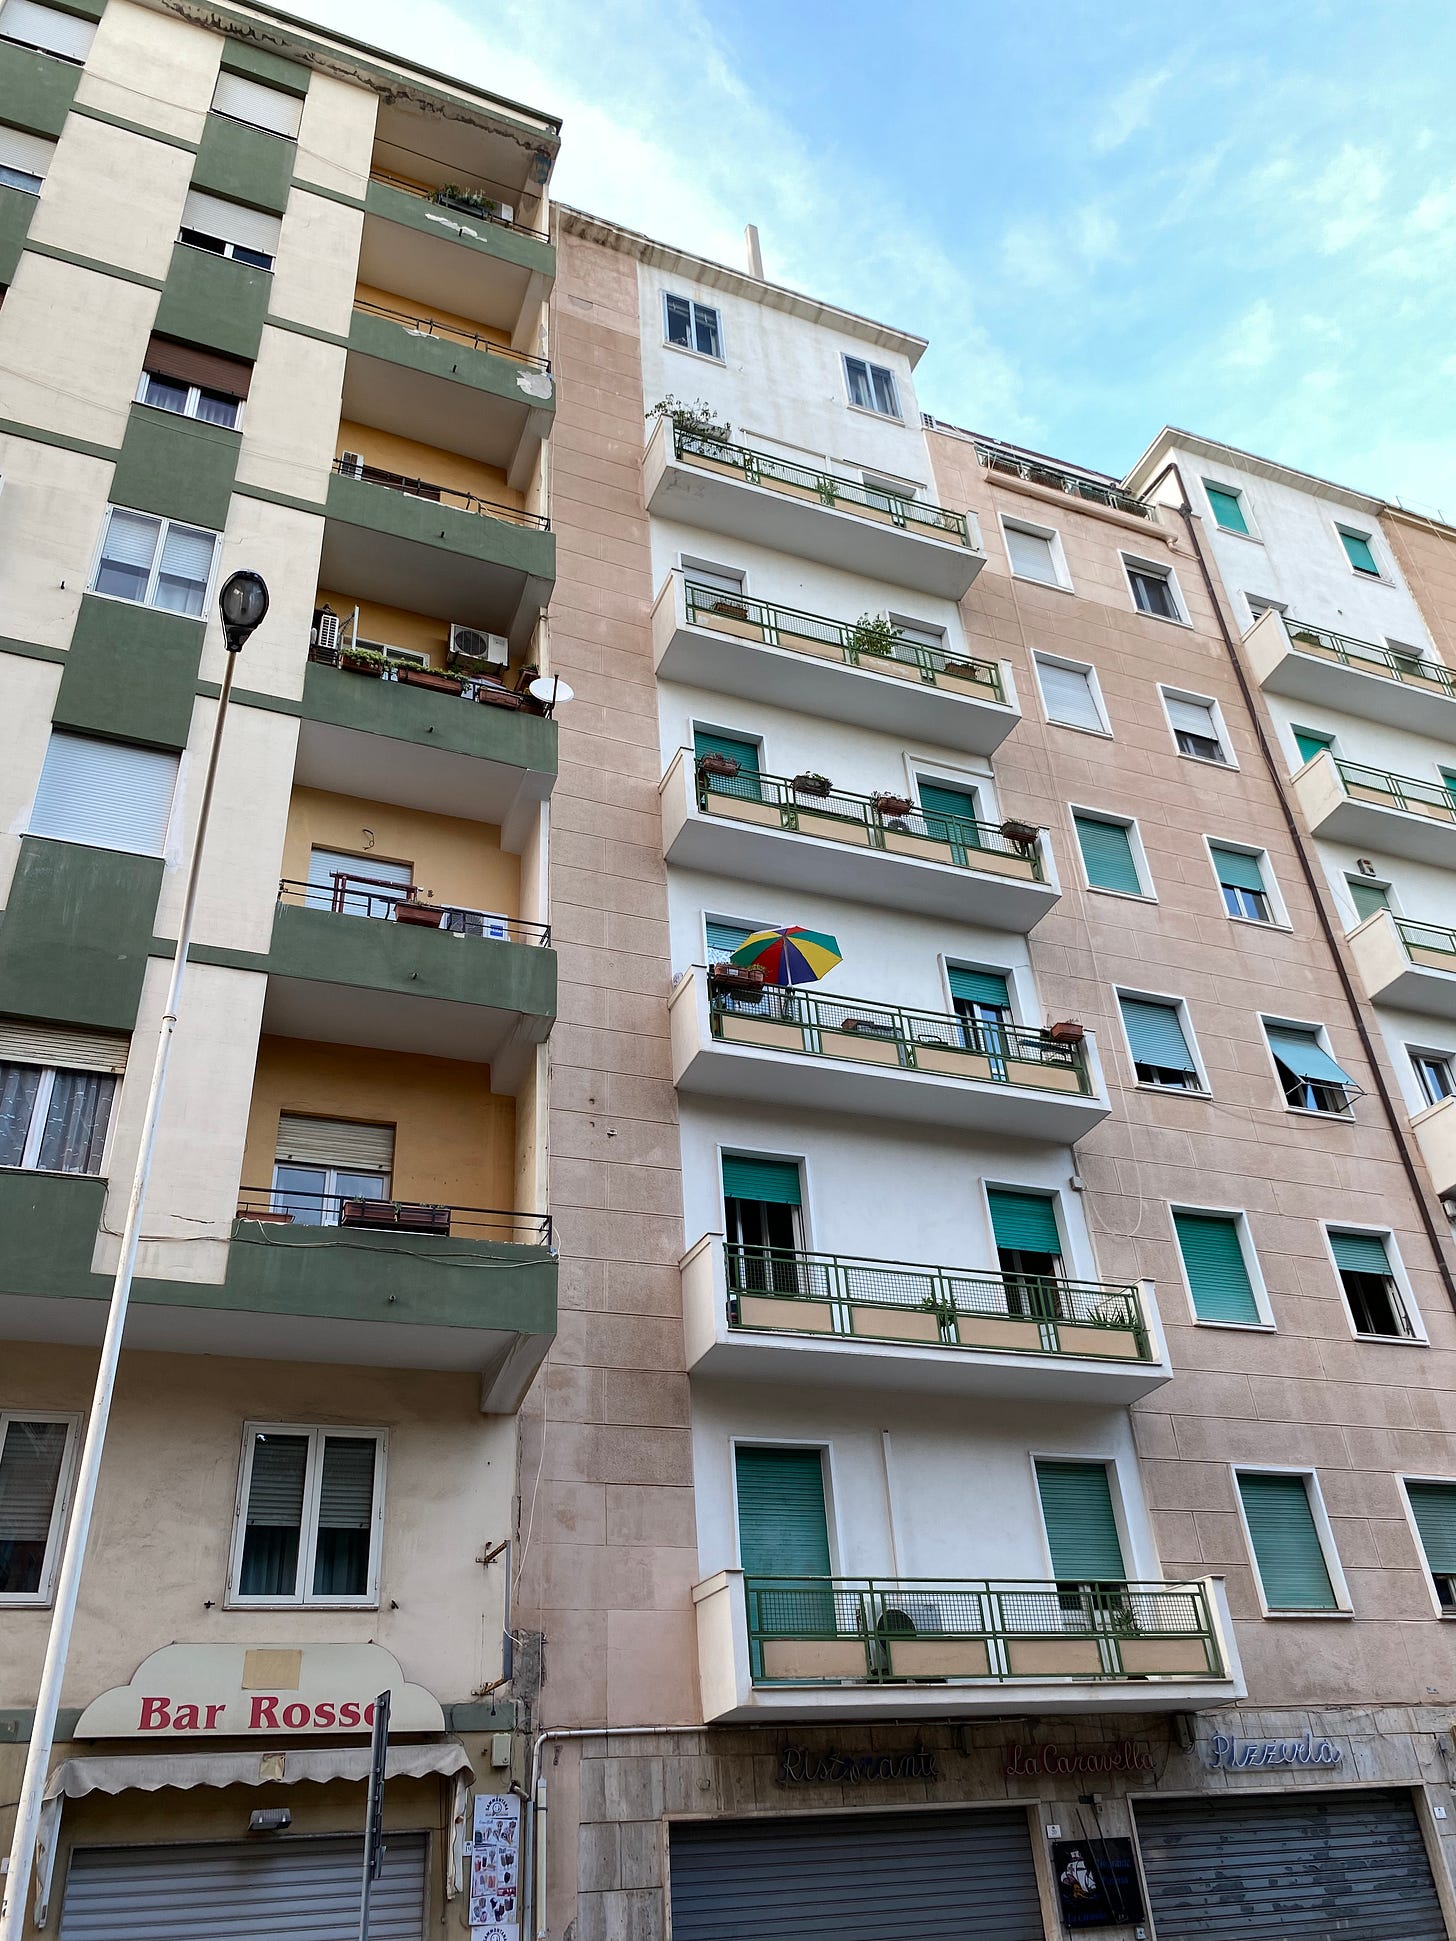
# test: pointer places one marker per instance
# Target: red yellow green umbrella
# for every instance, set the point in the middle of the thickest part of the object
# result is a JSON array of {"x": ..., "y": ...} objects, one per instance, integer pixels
[{"x": 789, "y": 956}]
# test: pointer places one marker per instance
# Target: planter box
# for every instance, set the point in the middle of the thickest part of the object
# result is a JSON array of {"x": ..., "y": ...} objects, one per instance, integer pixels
[
  {"x": 403, "y": 1216},
  {"x": 431, "y": 678},
  {"x": 426, "y": 915}
]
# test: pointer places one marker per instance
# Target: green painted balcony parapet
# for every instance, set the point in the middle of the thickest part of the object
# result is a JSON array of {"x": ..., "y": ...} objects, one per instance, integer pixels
[
  {"x": 1058, "y": 478},
  {"x": 1404, "y": 792},
  {"x": 395, "y": 200},
  {"x": 401, "y": 322},
  {"x": 1367, "y": 657},
  {"x": 437, "y": 516},
  {"x": 469, "y": 717},
  {"x": 17, "y": 206},
  {"x": 415, "y": 376},
  {"x": 37, "y": 88}
]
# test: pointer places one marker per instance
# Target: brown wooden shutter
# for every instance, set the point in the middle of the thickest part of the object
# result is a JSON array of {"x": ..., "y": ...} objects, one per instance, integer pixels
[{"x": 188, "y": 365}]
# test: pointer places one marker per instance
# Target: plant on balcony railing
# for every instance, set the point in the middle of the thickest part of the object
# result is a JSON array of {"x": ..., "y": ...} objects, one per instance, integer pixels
[
  {"x": 696, "y": 420},
  {"x": 873, "y": 638},
  {"x": 355, "y": 895},
  {"x": 354, "y": 468},
  {"x": 370, "y": 663},
  {"x": 1405, "y": 792},
  {"x": 1057, "y": 478},
  {"x": 1366, "y": 657},
  {"x": 298, "y": 1206},
  {"x": 453, "y": 198}
]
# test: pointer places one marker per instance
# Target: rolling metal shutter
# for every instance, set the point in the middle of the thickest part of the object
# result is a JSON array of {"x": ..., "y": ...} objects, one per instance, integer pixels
[
  {"x": 1286, "y": 1543},
  {"x": 66, "y": 1047},
  {"x": 1237, "y": 868},
  {"x": 724, "y": 939},
  {"x": 243, "y": 1892},
  {"x": 855, "y": 1877},
  {"x": 773, "y": 1180},
  {"x": 1360, "y": 1253},
  {"x": 1068, "y": 694},
  {"x": 1323, "y": 1867},
  {"x": 58, "y": 33},
  {"x": 230, "y": 222},
  {"x": 782, "y": 1528},
  {"x": 259, "y": 106},
  {"x": 1081, "y": 1526},
  {"x": 1023, "y": 1222},
  {"x": 1107, "y": 855},
  {"x": 1434, "y": 1508},
  {"x": 745, "y": 753},
  {"x": 335, "y": 1142},
  {"x": 979, "y": 987},
  {"x": 189, "y": 365},
  {"x": 1214, "y": 1263},
  {"x": 1305, "y": 1056},
  {"x": 1155, "y": 1033},
  {"x": 108, "y": 794}
]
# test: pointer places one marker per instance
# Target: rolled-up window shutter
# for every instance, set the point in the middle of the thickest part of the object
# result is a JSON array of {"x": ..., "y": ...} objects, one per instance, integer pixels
[
  {"x": 1068, "y": 694},
  {"x": 250, "y": 228},
  {"x": 105, "y": 793},
  {"x": 724, "y": 939},
  {"x": 303, "y": 1141},
  {"x": 259, "y": 106},
  {"x": 346, "y": 1486},
  {"x": 189, "y": 365},
  {"x": 66, "y": 34},
  {"x": 30, "y": 1472},
  {"x": 1360, "y": 1253},
  {"x": 1024, "y": 1222},
  {"x": 275, "y": 1486},
  {"x": 1193, "y": 717},
  {"x": 772, "y": 1180},
  {"x": 29, "y": 153},
  {"x": 1239, "y": 870},
  {"x": 60, "y": 1046},
  {"x": 1434, "y": 1508},
  {"x": 979, "y": 987},
  {"x": 1155, "y": 1033},
  {"x": 1107, "y": 853}
]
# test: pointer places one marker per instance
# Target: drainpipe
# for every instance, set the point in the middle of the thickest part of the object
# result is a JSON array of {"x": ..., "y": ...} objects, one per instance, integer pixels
[{"x": 1313, "y": 883}]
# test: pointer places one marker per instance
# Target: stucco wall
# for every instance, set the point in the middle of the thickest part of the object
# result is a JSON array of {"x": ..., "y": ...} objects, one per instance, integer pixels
[
  {"x": 457, "y": 862},
  {"x": 410, "y": 459}
]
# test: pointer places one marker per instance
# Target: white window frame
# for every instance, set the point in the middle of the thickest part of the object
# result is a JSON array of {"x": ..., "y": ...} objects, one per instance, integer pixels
[
  {"x": 1021, "y": 1016},
  {"x": 36, "y": 1130},
  {"x": 1417, "y": 1338},
  {"x": 969, "y": 782},
  {"x": 1131, "y": 1553},
  {"x": 1147, "y": 893},
  {"x": 691, "y": 564},
  {"x": 1278, "y": 919},
  {"x": 897, "y": 416},
  {"x": 1266, "y": 1324},
  {"x": 1392, "y": 896},
  {"x": 1344, "y": 1606},
  {"x": 1030, "y": 529},
  {"x": 164, "y": 526},
  {"x": 1403, "y": 1477},
  {"x": 42, "y": 1595},
  {"x": 1259, "y": 604},
  {"x": 189, "y": 410},
  {"x": 738, "y": 1150},
  {"x": 1093, "y": 684},
  {"x": 1382, "y": 576},
  {"x": 1435, "y": 1054},
  {"x": 694, "y": 306},
  {"x": 1203, "y": 1090},
  {"x": 1215, "y": 715},
  {"x": 825, "y": 1447},
  {"x": 1322, "y": 1039},
  {"x": 1232, "y": 492},
  {"x": 1155, "y": 569},
  {"x": 308, "y": 1532}
]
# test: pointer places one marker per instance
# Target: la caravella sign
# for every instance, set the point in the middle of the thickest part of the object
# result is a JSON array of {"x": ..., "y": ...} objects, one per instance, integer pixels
[{"x": 186, "y": 1693}]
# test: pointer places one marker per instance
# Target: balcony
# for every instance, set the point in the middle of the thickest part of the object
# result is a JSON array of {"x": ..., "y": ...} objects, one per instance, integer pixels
[
  {"x": 1331, "y": 670},
  {"x": 357, "y": 965},
  {"x": 789, "y": 1047},
  {"x": 1393, "y": 815},
  {"x": 828, "y": 669},
  {"x": 1408, "y": 966},
  {"x": 872, "y": 849},
  {"x": 752, "y": 495},
  {"x": 1048, "y": 477},
  {"x": 406, "y": 542},
  {"x": 894, "y": 1648},
  {"x": 1434, "y": 1131},
  {"x": 766, "y": 1315},
  {"x": 451, "y": 256},
  {"x": 424, "y": 379}
]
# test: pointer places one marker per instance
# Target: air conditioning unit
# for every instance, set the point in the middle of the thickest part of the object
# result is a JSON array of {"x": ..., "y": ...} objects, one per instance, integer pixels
[
  {"x": 506, "y": 211},
  {"x": 352, "y": 464},
  {"x": 471, "y": 644},
  {"x": 328, "y": 631}
]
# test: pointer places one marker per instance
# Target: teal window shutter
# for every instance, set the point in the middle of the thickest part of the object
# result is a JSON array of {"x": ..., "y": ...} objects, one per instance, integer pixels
[
  {"x": 1024, "y": 1222},
  {"x": 1240, "y": 871},
  {"x": 937, "y": 800},
  {"x": 1081, "y": 1526},
  {"x": 1107, "y": 853},
  {"x": 782, "y": 1527},
  {"x": 1368, "y": 898},
  {"x": 1303, "y": 1053},
  {"x": 1360, "y": 1253},
  {"x": 1359, "y": 553},
  {"x": 745, "y": 753},
  {"x": 1214, "y": 1263},
  {"x": 1310, "y": 745},
  {"x": 1227, "y": 509},
  {"x": 979, "y": 987},
  {"x": 1434, "y": 1508},
  {"x": 1286, "y": 1543},
  {"x": 1155, "y": 1033},
  {"x": 724, "y": 938},
  {"x": 773, "y": 1180}
]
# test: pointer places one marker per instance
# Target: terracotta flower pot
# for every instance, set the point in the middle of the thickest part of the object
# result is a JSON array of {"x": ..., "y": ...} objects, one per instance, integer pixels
[
  {"x": 1066, "y": 1032},
  {"x": 1023, "y": 834},
  {"x": 426, "y": 915},
  {"x": 724, "y": 765},
  {"x": 430, "y": 677},
  {"x": 893, "y": 805},
  {"x": 819, "y": 785}
]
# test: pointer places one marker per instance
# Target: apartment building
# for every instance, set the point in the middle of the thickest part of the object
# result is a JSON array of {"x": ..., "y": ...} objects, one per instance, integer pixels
[{"x": 270, "y": 300}]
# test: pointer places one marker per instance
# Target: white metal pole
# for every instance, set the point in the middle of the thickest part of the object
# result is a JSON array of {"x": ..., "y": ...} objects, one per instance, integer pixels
[{"x": 42, "y": 1736}]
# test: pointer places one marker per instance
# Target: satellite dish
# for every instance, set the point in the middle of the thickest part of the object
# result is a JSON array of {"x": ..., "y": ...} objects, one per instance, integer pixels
[{"x": 551, "y": 689}]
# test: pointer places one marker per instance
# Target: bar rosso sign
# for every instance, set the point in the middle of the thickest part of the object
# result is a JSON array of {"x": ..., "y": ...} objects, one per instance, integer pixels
[{"x": 188, "y": 1692}]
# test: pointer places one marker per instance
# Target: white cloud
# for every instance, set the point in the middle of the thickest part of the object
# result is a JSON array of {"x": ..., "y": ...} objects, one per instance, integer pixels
[
  {"x": 1249, "y": 344},
  {"x": 1129, "y": 110}
]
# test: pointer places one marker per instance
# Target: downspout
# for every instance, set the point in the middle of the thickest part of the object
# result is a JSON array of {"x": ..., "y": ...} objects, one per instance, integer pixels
[{"x": 1313, "y": 882}]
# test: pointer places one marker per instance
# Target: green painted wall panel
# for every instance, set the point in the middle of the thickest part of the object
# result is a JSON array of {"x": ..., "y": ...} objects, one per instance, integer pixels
[
  {"x": 344, "y": 700},
  {"x": 213, "y": 301},
  {"x": 506, "y": 245},
  {"x": 178, "y": 467},
  {"x": 16, "y": 210},
  {"x": 48, "y": 1227},
  {"x": 76, "y": 933},
  {"x": 37, "y": 89},
  {"x": 244, "y": 164},
  {"x": 238, "y": 57},
  {"x": 131, "y": 673},
  {"x": 413, "y": 961}
]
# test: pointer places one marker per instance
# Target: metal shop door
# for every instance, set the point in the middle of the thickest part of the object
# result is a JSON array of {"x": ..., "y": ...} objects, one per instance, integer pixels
[
  {"x": 961, "y": 1876},
  {"x": 263, "y": 1891},
  {"x": 1307, "y": 1867}
]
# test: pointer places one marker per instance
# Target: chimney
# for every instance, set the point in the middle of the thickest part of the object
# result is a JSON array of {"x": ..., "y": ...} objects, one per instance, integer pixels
[{"x": 755, "y": 254}]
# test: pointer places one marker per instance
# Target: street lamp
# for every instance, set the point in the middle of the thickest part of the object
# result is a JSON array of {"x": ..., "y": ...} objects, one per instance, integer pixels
[{"x": 242, "y": 604}]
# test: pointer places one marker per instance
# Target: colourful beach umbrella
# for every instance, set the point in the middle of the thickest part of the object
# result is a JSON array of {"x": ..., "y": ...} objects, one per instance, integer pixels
[{"x": 789, "y": 956}]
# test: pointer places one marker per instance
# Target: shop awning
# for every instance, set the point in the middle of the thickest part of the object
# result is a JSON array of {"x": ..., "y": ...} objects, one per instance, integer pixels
[{"x": 151, "y": 1772}]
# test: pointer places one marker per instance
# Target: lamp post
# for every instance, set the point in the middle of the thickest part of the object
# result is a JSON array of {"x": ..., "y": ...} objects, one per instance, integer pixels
[{"x": 242, "y": 604}]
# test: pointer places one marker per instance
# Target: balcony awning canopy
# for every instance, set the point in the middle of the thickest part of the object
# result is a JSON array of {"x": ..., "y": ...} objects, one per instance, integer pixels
[
  {"x": 152, "y": 1772},
  {"x": 1307, "y": 1059}
]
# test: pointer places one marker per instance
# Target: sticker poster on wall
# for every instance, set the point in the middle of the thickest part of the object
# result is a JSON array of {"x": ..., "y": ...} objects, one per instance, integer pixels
[
  {"x": 495, "y": 1868},
  {"x": 1097, "y": 1883}
]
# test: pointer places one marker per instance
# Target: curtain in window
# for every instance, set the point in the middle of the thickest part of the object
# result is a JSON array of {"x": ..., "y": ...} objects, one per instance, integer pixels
[
  {"x": 126, "y": 555},
  {"x": 186, "y": 564},
  {"x": 346, "y": 1512},
  {"x": 30, "y": 1474},
  {"x": 76, "y": 1122},
  {"x": 274, "y": 1516},
  {"x": 213, "y": 409},
  {"x": 18, "y": 1087}
]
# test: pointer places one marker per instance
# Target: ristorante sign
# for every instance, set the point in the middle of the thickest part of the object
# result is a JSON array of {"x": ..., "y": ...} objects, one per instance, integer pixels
[{"x": 190, "y": 1692}]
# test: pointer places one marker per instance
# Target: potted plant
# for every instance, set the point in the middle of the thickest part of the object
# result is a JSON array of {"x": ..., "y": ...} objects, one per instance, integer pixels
[
  {"x": 873, "y": 634},
  {"x": 892, "y": 805},
  {"x": 696, "y": 420},
  {"x": 431, "y": 677},
  {"x": 1023, "y": 834},
  {"x": 738, "y": 979},
  {"x": 474, "y": 202},
  {"x": 414, "y": 909},
  {"x": 718, "y": 764},
  {"x": 364, "y": 660},
  {"x": 810, "y": 782},
  {"x": 1066, "y": 1031},
  {"x": 731, "y": 609}
]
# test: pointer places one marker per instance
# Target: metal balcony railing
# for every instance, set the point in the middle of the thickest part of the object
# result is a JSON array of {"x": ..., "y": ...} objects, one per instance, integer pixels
[
  {"x": 1435, "y": 937},
  {"x": 1404, "y": 792},
  {"x": 803, "y": 481},
  {"x": 952, "y": 1307},
  {"x": 460, "y": 207},
  {"x": 1040, "y": 471},
  {"x": 791, "y": 628},
  {"x": 351, "y": 468},
  {"x": 362, "y": 659},
  {"x": 952, "y": 1046},
  {"x": 1366, "y": 657},
  {"x": 350, "y": 895},
  {"x": 298, "y": 1206},
  {"x": 891, "y": 1630},
  {"x": 432, "y": 327}
]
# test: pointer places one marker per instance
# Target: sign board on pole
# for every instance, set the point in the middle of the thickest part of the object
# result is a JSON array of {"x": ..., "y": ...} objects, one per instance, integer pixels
[
  {"x": 495, "y": 1868},
  {"x": 374, "y": 1819}
]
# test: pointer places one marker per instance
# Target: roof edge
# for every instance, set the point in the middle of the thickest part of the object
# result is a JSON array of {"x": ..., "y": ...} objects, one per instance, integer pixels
[{"x": 1138, "y": 474}]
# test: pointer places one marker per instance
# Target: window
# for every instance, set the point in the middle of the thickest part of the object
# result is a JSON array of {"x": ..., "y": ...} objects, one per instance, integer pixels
[
  {"x": 1032, "y": 553},
  {"x": 724, "y": 938},
  {"x": 1362, "y": 1261},
  {"x": 742, "y": 780},
  {"x": 1069, "y": 695},
  {"x": 155, "y": 562},
  {"x": 260, "y": 107},
  {"x": 1434, "y": 1075},
  {"x": 1028, "y": 1249},
  {"x": 1160, "y": 1052},
  {"x": 693, "y": 326},
  {"x": 53, "y": 32},
  {"x": 1259, "y": 604},
  {"x": 982, "y": 1000},
  {"x": 783, "y": 1524},
  {"x": 24, "y": 159},
  {"x": 36, "y": 1453},
  {"x": 1080, "y": 1522},
  {"x": 228, "y": 229},
  {"x": 106, "y": 794},
  {"x": 717, "y": 579},
  {"x": 1152, "y": 590},
  {"x": 762, "y": 1205},
  {"x": 322, "y": 1164},
  {"x": 951, "y": 815},
  {"x": 1369, "y": 898},
  {"x": 188, "y": 401},
  {"x": 194, "y": 383},
  {"x": 1107, "y": 854},
  {"x": 871, "y": 387},
  {"x": 309, "y": 1515},
  {"x": 1311, "y": 1079},
  {"x": 1310, "y": 743},
  {"x": 1289, "y": 1557},
  {"x": 1226, "y": 504},
  {"x": 1195, "y": 728},
  {"x": 357, "y": 886},
  {"x": 57, "y": 1088},
  {"x": 1211, "y": 1246},
  {"x": 1410, "y": 661},
  {"x": 1241, "y": 880},
  {"x": 1359, "y": 551},
  {"x": 1433, "y": 1507}
]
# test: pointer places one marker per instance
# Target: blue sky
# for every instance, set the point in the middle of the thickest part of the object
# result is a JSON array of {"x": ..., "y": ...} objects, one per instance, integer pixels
[{"x": 1238, "y": 218}]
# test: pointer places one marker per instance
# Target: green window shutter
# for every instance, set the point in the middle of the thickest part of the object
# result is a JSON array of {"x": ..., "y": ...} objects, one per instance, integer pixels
[
  {"x": 1107, "y": 853},
  {"x": 979, "y": 987},
  {"x": 782, "y": 1528},
  {"x": 1024, "y": 1222},
  {"x": 1358, "y": 552},
  {"x": 1360, "y": 1253},
  {"x": 724, "y": 939},
  {"x": 1303, "y": 1053},
  {"x": 1076, "y": 1506},
  {"x": 775, "y": 1180},
  {"x": 1239, "y": 870},
  {"x": 1214, "y": 1263},
  {"x": 1286, "y": 1543},
  {"x": 1434, "y": 1508},
  {"x": 1450, "y": 782},
  {"x": 935, "y": 800},
  {"x": 1155, "y": 1033},
  {"x": 1310, "y": 745},
  {"x": 1368, "y": 898},
  {"x": 745, "y": 753},
  {"x": 1227, "y": 510}
]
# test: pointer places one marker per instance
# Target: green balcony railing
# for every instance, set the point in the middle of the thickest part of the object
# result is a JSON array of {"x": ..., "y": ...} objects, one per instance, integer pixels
[
  {"x": 1365, "y": 657},
  {"x": 1040, "y": 471},
  {"x": 803, "y": 481},
  {"x": 789, "y": 1018},
  {"x": 786, "y": 1291},
  {"x": 1404, "y": 792},
  {"x": 824, "y": 1630},
  {"x": 888, "y": 821},
  {"x": 813, "y": 633},
  {"x": 1430, "y": 944}
]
